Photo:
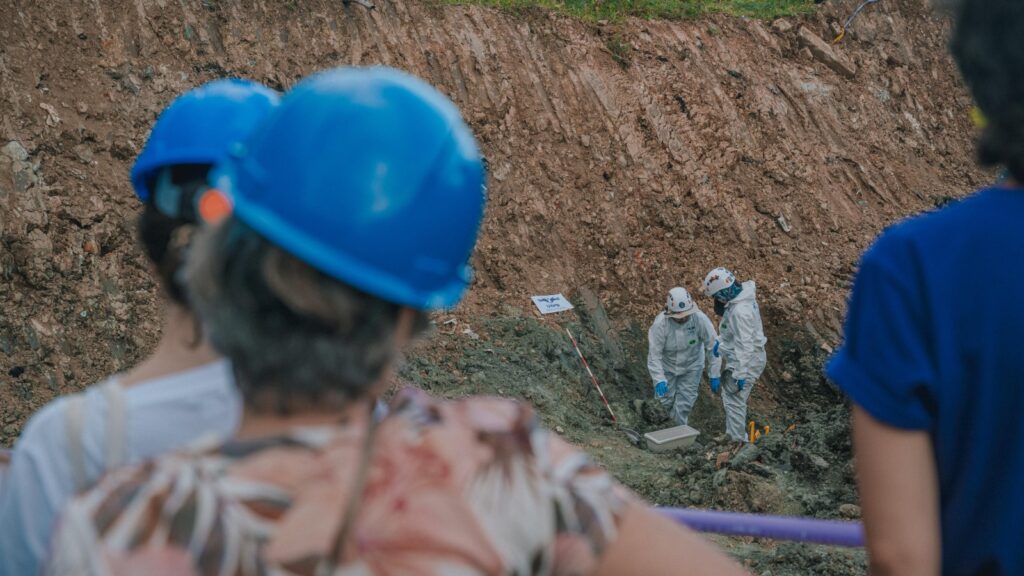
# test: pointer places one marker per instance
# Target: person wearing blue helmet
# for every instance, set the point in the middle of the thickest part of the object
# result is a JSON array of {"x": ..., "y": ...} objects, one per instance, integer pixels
[
  {"x": 183, "y": 390},
  {"x": 356, "y": 209}
]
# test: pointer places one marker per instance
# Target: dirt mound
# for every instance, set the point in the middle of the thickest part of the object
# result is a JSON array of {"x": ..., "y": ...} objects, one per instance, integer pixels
[{"x": 623, "y": 159}]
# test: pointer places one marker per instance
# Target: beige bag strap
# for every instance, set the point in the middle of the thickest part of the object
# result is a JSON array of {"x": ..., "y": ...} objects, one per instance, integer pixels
[
  {"x": 74, "y": 419},
  {"x": 5, "y": 463},
  {"x": 117, "y": 439},
  {"x": 116, "y": 448}
]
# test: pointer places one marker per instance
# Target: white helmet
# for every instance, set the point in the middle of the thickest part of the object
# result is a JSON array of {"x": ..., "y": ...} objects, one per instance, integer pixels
[
  {"x": 679, "y": 304},
  {"x": 716, "y": 280}
]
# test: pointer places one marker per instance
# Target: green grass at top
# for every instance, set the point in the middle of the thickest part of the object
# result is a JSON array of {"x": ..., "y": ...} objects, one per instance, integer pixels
[{"x": 613, "y": 10}]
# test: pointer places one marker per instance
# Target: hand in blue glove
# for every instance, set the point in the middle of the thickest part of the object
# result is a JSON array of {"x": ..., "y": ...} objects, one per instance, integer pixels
[
  {"x": 716, "y": 385},
  {"x": 741, "y": 383},
  {"x": 660, "y": 389}
]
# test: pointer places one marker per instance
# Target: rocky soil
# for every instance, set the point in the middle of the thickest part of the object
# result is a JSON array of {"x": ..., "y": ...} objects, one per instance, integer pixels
[
  {"x": 624, "y": 159},
  {"x": 803, "y": 466}
]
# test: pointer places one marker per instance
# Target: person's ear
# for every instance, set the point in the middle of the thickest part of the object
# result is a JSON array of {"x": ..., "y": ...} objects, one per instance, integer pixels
[{"x": 403, "y": 329}]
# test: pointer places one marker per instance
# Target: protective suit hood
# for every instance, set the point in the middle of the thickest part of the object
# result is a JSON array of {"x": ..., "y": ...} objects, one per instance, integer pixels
[{"x": 749, "y": 294}]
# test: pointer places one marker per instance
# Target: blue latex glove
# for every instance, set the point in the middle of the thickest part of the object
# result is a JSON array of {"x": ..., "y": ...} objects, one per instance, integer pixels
[
  {"x": 660, "y": 389},
  {"x": 716, "y": 385},
  {"x": 741, "y": 383}
]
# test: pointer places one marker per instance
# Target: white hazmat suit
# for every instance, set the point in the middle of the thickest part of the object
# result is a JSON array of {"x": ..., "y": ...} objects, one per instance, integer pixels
[
  {"x": 741, "y": 342},
  {"x": 676, "y": 355}
]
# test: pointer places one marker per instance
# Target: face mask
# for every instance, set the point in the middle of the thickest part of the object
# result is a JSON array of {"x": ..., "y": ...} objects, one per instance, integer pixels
[
  {"x": 728, "y": 294},
  {"x": 719, "y": 307}
]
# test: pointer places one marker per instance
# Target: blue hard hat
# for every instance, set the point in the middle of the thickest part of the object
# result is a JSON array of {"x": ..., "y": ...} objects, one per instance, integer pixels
[
  {"x": 371, "y": 176},
  {"x": 201, "y": 126}
]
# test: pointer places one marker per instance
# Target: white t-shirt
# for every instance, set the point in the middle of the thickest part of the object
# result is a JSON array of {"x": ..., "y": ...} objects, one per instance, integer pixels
[{"x": 159, "y": 416}]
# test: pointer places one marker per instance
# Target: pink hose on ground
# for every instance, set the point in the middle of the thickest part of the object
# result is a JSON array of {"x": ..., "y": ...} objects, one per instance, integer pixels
[{"x": 831, "y": 532}]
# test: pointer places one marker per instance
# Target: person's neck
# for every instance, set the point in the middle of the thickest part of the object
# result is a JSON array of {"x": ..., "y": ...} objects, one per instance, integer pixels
[
  {"x": 263, "y": 423},
  {"x": 177, "y": 351}
]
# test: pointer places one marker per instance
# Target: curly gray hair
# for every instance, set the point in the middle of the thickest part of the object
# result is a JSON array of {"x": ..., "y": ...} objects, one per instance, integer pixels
[{"x": 285, "y": 325}]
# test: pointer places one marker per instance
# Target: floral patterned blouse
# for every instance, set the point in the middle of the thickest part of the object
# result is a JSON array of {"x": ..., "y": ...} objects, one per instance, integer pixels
[{"x": 454, "y": 488}]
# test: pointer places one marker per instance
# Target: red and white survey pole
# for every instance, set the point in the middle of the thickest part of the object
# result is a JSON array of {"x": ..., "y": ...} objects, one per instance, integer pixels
[{"x": 592, "y": 378}]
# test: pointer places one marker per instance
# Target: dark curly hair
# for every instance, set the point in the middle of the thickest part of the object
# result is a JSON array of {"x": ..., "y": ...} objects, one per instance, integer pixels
[
  {"x": 164, "y": 238},
  {"x": 988, "y": 44}
]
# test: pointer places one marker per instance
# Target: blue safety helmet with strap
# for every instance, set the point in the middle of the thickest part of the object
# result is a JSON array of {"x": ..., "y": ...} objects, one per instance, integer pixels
[
  {"x": 200, "y": 127},
  {"x": 371, "y": 176}
]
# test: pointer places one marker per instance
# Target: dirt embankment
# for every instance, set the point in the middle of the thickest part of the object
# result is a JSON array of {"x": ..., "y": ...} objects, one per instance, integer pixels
[{"x": 624, "y": 160}]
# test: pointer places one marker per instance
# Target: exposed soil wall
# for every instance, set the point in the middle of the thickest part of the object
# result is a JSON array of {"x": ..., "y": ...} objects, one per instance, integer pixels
[{"x": 624, "y": 159}]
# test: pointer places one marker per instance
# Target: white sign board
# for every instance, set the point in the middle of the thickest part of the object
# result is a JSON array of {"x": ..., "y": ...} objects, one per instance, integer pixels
[{"x": 551, "y": 304}]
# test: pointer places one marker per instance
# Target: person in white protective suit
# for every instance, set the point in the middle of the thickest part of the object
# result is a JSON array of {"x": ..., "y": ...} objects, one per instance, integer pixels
[
  {"x": 679, "y": 340},
  {"x": 741, "y": 342}
]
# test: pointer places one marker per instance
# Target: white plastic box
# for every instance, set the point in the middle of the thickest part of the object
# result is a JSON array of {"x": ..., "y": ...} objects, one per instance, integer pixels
[{"x": 671, "y": 438}]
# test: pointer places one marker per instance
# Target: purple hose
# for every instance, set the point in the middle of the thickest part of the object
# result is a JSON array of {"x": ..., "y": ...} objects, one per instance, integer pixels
[{"x": 832, "y": 532}]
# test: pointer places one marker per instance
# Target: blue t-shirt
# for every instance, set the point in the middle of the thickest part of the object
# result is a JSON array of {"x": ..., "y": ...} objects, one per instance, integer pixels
[{"x": 934, "y": 340}]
